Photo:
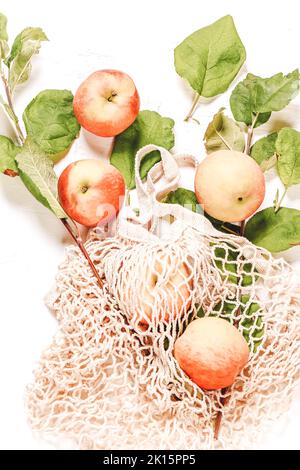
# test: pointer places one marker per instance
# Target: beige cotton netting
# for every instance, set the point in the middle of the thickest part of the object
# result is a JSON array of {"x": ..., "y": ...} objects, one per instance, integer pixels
[{"x": 109, "y": 379}]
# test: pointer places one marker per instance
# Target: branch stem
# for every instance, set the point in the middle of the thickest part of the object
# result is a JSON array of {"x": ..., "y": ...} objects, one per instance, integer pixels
[
  {"x": 224, "y": 400},
  {"x": 19, "y": 132},
  {"x": 77, "y": 239},
  {"x": 276, "y": 209},
  {"x": 193, "y": 108},
  {"x": 21, "y": 139}
]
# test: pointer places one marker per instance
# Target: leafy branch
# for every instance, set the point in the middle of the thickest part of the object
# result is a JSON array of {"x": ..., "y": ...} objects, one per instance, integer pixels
[{"x": 32, "y": 163}]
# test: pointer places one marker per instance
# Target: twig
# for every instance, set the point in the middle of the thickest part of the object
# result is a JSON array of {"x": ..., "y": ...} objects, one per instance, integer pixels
[
  {"x": 21, "y": 139},
  {"x": 278, "y": 204},
  {"x": 19, "y": 133},
  {"x": 193, "y": 108},
  {"x": 77, "y": 239},
  {"x": 224, "y": 400}
]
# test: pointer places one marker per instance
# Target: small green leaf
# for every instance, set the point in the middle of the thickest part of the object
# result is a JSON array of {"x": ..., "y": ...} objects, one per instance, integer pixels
[
  {"x": 253, "y": 100},
  {"x": 25, "y": 46},
  {"x": 288, "y": 152},
  {"x": 4, "y": 49},
  {"x": 36, "y": 172},
  {"x": 148, "y": 128},
  {"x": 50, "y": 122},
  {"x": 183, "y": 197},
  {"x": 274, "y": 231},
  {"x": 223, "y": 133},
  {"x": 210, "y": 58},
  {"x": 8, "y": 152},
  {"x": 263, "y": 151}
]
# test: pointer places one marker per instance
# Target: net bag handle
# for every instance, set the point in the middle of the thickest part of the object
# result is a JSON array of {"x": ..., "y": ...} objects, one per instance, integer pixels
[{"x": 151, "y": 210}]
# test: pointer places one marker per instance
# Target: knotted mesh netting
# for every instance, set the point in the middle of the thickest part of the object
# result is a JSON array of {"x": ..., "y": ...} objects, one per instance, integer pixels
[{"x": 109, "y": 379}]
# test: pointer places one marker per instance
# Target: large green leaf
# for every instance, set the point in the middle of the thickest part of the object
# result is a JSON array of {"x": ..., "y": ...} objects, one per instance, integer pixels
[
  {"x": 148, "y": 128},
  {"x": 4, "y": 49},
  {"x": 274, "y": 231},
  {"x": 223, "y": 133},
  {"x": 253, "y": 100},
  {"x": 50, "y": 122},
  {"x": 36, "y": 172},
  {"x": 210, "y": 58},
  {"x": 288, "y": 152},
  {"x": 8, "y": 152},
  {"x": 26, "y": 44},
  {"x": 264, "y": 151}
]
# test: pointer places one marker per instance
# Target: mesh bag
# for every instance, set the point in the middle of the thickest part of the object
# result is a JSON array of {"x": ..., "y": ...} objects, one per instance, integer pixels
[{"x": 109, "y": 380}]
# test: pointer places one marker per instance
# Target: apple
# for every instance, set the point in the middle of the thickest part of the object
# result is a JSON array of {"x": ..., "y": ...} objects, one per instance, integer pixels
[
  {"x": 212, "y": 352},
  {"x": 106, "y": 103},
  {"x": 165, "y": 291},
  {"x": 91, "y": 191},
  {"x": 229, "y": 185}
]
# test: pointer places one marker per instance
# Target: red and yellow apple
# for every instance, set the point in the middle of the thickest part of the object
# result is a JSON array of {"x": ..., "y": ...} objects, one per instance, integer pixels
[
  {"x": 229, "y": 185},
  {"x": 165, "y": 291},
  {"x": 91, "y": 191},
  {"x": 212, "y": 352},
  {"x": 106, "y": 103}
]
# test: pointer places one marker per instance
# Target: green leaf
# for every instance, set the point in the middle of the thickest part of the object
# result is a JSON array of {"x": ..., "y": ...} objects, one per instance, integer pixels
[
  {"x": 251, "y": 322},
  {"x": 288, "y": 152},
  {"x": 225, "y": 261},
  {"x": 8, "y": 152},
  {"x": 36, "y": 172},
  {"x": 210, "y": 58},
  {"x": 183, "y": 197},
  {"x": 253, "y": 100},
  {"x": 26, "y": 44},
  {"x": 263, "y": 151},
  {"x": 50, "y": 122},
  {"x": 225, "y": 227},
  {"x": 223, "y": 133},
  {"x": 4, "y": 49},
  {"x": 274, "y": 231},
  {"x": 275, "y": 93},
  {"x": 148, "y": 128},
  {"x": 242, "y": 103}
]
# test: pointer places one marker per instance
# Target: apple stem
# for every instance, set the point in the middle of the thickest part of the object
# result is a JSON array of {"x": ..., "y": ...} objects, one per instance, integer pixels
[
  {"x": 77, "y": 239},
  {"x": 193, "y": 108}
]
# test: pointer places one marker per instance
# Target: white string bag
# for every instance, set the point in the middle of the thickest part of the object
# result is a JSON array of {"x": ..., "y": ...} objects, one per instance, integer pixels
[{"x": 109, "y": 379}]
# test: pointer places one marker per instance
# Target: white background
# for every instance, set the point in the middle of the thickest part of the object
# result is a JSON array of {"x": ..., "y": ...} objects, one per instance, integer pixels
[{"x": 137, "y": 37}]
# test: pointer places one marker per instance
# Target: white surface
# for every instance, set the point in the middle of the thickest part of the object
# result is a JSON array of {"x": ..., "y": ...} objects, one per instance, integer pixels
[{"x": 138, "y": 37}]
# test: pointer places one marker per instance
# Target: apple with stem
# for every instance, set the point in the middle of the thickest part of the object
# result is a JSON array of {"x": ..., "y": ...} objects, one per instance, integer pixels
[
  {"x": 91, "y": 192},
  {"x": 106, "y": 103},
  {"x": 229, "y": 185}
]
